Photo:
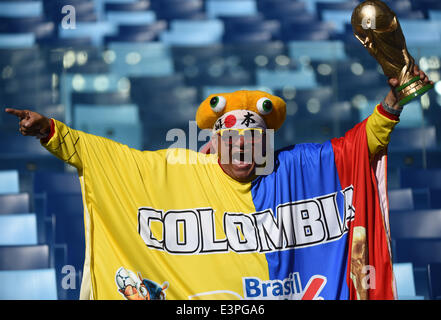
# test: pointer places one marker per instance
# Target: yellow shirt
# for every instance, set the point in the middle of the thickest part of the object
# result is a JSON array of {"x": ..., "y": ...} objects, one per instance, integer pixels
[{"x": 128, "y": 194}]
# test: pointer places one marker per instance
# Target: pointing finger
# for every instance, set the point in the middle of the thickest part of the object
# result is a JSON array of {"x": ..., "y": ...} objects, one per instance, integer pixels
[{"x": 19, "y": 113}]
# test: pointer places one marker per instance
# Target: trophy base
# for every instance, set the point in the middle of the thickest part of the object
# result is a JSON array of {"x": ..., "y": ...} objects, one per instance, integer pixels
[{"x": 412, "y": 89}]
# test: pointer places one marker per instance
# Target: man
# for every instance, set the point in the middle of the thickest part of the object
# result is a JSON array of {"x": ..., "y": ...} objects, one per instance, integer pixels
[{"x": 211, "y": 227}]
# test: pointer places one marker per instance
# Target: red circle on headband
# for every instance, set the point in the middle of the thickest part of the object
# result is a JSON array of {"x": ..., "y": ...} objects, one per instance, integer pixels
[{"x": 230, "y": 121}]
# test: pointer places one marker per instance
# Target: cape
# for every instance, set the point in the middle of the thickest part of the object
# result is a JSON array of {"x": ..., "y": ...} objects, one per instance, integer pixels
[{"x": 170, "y": 224}]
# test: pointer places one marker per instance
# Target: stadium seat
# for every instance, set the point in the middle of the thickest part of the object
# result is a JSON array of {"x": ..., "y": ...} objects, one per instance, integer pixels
[
  {"x": 28, "y": 285},
  {"x": 418, "y": 251},
  {"x": 14, "y": 145},
  {"x": 422, "y": 224},
  {"x": 95, "y": 30},
  {"x": 193, "y": 32},
  {"x": 217, "y": 8},
  {"x": 311, "y": 31},
  {"x": 413, "y": 138},
  {"x": 17, "y": 41},
  {"x": 435, "y": 15},
  {"x": 14, "y": 203},
  {"x": 138, "y": 5},
  {"x": 18, "y": 229},
  {"x": 21, "y": 8},
  {"x": 282, "y": 9},
  {"x": 140, "y": 58},
  {"x": 420, "y": 31},
  {"x": 35, "y": 25},
  {"x": 24, "y": 257},
  {"x": 348, "y": 5},
  {"x": 208, "y": 90},
  {"x": 301, "y": 79},
  {"x": 56, "y": 182},
  {"x": 434, "y": 277},
  {"x": 179, "y": 9},
  {"x": 317, "y": 50},
  {"x": 401, "y": 199},
  {"x": 404, "y": 277},
  {"x": 9, "y": 181},
  {"x": 65, "y": 211},
  {"x": 420, "y": 178}
]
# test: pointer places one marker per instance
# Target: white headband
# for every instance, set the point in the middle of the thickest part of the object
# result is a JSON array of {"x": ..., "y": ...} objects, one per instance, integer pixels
[{"x": 239, "y": 119}]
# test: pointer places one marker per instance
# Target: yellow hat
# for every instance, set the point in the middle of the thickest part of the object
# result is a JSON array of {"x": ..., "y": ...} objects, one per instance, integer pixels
[{"x": 270, "y": 108}]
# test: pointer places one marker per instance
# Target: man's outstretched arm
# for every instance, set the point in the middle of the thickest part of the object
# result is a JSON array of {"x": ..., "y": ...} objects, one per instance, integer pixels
[
  {"x": 385, "y": 117},
  {"x": 55, "y": 136}
]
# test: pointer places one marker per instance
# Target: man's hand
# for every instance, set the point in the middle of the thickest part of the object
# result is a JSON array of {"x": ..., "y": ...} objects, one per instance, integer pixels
[
  {"x": 391, "y": 98},
  {"x": 32, "y": 123}
]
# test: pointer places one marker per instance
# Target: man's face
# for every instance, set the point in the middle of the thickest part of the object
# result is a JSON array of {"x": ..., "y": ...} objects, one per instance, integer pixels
[{"x": 237, "y": 152}]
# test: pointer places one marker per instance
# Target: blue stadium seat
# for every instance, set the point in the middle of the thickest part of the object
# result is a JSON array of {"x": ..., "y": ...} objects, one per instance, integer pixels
[
  {"x": 129, "y": 18},
  {"x": 96, "y": 31},
  {"x": 35, "y": 25},
  {"x": 28, "y": 285},
  {"x": 9, "y": 181},
  {"x": 317, "y": 50},
  {"x": 435, "y": 15},
  {"x": 218, "y": 8},
  {"x": 426, "y": 5},
  {"x": 179, "y": 9},
  {"x": 422, "y": 224},
  {"x": 420, "y": 178},
  {"x": 274, "y": 79},
  {"x": 139, "y": 59},
  {"x": 147, "y": 85},
  {"x": 15, "y": 146},
  {"x": 258, "y": 36},
  {"x": 18, "y": 229},
  {"x": 338, "y": 17},
  {"x": 14, "y": 203},
  {"x": 193, "y": 32},
  {"x": 401, "y": 199},
  {"x": 66, "y": 212},
  {"x": 118, "y": 123},
  {"x": 311, "y": 31},
  {"x": 417, "y": 158},
  {"x": 420, "y": 31},
  {"x": 435, "y": 198},
  {"x": 154, "y": 28},
  {"x": 282, "y": 9},
  {"x": 56, "y": 182},
  {"x": 418, "y": 251},
  {"x": 405, "y": 282},
  {"x": 434, "y": 277},
  {"x": 17, "y": 41},
  {"x": 24, "y": 257},
  {"x": 208, "y": 90},
  {"x": 138, "y": 5},
  {"x": 413, "y": 138},
  {"x": 21, "y": 8},
  {"x": 252, "y": 25}
]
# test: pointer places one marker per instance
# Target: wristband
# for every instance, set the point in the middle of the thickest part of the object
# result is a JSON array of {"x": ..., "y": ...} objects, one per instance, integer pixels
[{"x": 389, "y": 109}]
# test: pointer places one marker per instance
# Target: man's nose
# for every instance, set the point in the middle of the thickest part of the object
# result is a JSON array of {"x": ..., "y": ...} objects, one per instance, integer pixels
[{"x": 240, "y": 141}]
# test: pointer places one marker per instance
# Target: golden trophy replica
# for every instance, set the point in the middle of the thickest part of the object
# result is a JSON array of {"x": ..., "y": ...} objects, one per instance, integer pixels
[{"x": 378, "y": 29}]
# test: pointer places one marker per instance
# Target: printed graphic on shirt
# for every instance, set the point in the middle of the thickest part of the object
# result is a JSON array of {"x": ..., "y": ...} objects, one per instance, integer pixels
[{"x": 133, "y": 287}]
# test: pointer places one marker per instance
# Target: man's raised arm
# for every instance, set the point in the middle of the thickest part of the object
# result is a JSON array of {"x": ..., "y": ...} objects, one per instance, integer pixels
[{"x": 380, "y": 124}]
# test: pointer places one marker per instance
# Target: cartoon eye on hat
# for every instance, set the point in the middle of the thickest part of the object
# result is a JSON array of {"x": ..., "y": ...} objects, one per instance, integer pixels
[
  {"x": 217, "y": 103},
  {"x": 264, "y": 106}
]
